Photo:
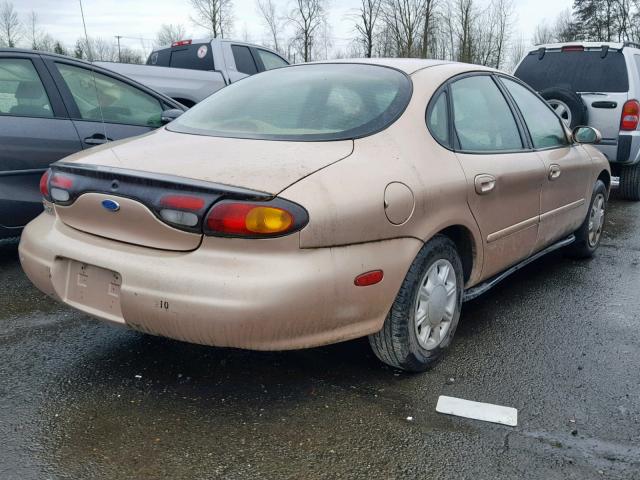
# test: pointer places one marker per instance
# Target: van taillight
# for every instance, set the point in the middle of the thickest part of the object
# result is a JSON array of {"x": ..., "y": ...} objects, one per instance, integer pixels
[
  {"x": 44, "y": 184},
  {"x": 630, "y": 115}
]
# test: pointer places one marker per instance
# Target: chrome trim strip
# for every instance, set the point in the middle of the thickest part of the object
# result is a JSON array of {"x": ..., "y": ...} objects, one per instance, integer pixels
[
  {"x": 569, "y": 206},
  {"x": 513, "y": 229}
]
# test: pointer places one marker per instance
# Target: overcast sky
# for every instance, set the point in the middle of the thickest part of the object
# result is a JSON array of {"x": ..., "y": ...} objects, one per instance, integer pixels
[{"x": 138, "y": 20}]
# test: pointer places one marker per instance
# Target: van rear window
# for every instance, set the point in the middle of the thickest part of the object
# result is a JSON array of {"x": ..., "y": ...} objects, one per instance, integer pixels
[
  {"x": 582, "y": 71},
  {"x": 193, "y": 57}
]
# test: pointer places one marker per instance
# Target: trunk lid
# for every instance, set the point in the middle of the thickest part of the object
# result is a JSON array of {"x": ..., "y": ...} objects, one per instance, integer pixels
[{"x": 119, "y": 191}]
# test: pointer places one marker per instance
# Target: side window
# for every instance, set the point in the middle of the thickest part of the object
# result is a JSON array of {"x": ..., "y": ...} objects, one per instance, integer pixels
[
  {"x": 21, "y": 90},
  {"x": 271, "y": 60},
  {"x": 544, "y": 126},
  {"x": 438, "y": 119},
  {"x": 119, "y": 102},
  {"x": 482, "y": 117},
  {"x": 244, "y": 59}
]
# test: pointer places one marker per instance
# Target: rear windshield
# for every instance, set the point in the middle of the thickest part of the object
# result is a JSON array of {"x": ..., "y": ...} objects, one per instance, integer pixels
[
  {"x": 303, "y": 102},
  {"x": 193, "y": 57},
  {"x": 582, "y": 71}
]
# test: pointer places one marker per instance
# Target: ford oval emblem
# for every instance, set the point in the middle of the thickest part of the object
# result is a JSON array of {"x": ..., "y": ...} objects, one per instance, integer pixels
[{"x": 111, "y": 205}]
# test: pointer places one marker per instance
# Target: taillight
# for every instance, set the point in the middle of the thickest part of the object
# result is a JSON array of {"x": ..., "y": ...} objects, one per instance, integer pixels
[
  {"x": 59, "y": 186},
  {"x": 255, "y": 219},
  {"x": 630, "y": 115},
  {"x": 573, "y": 48},
  {"x": 368, "y": 278},
  {"x": 181, "y": 209},
  {"x": 44, "y": 184},
  {"x": 181, "y": 43}
]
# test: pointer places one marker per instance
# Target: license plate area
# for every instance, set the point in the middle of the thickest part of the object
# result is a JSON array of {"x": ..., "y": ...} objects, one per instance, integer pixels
[{"x": 92, "y": 289}]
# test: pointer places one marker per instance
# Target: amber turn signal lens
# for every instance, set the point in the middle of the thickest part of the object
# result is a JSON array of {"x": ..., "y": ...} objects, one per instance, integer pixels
[{"x": 268, "y": 220}]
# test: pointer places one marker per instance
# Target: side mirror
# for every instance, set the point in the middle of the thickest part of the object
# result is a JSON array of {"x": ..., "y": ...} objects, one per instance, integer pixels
[
  {"x": 170, "y": 115},
  {"x": 587, "y": 135}
]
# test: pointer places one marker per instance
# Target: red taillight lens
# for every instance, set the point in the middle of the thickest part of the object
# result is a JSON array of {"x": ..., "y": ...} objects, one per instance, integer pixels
[
  {"x": 61, "y": 181},
  {"x": 181, "y": 43},
  {"x": 44, "y": 184},
  {"x": 182, "y": 202},
  {"x": 368, "y": 278},
  {"x": 630, "y": 115},
  {"x": 255, "y": 219}
]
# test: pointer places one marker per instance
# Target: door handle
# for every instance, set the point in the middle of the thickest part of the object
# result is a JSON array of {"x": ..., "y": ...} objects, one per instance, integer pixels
[
  {"x": 554, "y": 172},
  {"x": 484, "y": 183},
  {"x": 96, "y": 139}
]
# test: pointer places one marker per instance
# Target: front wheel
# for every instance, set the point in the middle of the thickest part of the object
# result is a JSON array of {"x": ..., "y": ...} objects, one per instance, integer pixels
[
  {"x": 425, "y": 313},
  {"x": 590, "y": 232}
]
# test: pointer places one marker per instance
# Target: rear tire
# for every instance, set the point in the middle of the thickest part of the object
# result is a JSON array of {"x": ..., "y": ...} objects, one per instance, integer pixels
[
  {"x": 630, "y": 182},
  {"x": 589, "y": 234},
  {"x": 425, "y": 314}
]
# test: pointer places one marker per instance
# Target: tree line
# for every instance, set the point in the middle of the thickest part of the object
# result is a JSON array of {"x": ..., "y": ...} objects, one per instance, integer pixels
[{"x": 473, "y": 31}]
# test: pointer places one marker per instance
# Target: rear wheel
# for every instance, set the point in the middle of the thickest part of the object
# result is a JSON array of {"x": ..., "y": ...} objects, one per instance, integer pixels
[
  {"x": 590, "y": 232},
  {"x": 425, "y": 314},
  {"x": 630, "y": 182}
]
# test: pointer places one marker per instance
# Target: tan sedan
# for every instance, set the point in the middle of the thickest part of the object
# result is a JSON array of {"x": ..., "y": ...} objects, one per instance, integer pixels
[{"x": 319, "y": 203}]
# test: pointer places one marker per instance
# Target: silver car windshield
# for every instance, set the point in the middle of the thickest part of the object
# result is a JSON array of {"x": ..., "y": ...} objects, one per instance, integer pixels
[{"x": 303, "y": 103}]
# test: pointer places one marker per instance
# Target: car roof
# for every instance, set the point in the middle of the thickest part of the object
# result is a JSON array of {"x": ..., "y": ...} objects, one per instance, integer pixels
[
  {"x": 407, "y": 65},
  {"x": 43, "y": 54}
]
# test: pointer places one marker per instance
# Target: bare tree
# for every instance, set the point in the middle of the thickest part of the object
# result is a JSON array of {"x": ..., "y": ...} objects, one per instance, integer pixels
[
  {"x": 427, "y": 25},
  {"x": 214, "y": 15},
  {"x": 502, "y": 18},
  {"x": 273, "y": 21},
  {"x": 307, "y": 17},
  {"x": 366, "y": 20},
  {"x": 518, "y": 50},
  {"x": 543, "y": 34},
  {"x": 33, "y": 31},
  {"x": 170, "y": 33},
  {"x": 404, "y": 19},
  {"x": 465, "y": 18},
  {"x": 10, "y": 27}
]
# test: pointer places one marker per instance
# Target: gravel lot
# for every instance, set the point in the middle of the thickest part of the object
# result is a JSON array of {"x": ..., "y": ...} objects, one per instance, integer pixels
[{"x": 559, "y": 341}]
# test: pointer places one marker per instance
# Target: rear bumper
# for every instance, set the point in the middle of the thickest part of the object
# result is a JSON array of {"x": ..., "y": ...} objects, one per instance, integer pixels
[
  {"x": 228, "y": 292},
  {"x": 624, "y": 151}
]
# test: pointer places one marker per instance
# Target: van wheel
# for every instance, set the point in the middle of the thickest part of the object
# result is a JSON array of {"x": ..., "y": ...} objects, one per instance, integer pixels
[
  {"x": 425, "y": 313},
  {"x": 630, "y": 182},
  {"x": 590, "y": 232}
]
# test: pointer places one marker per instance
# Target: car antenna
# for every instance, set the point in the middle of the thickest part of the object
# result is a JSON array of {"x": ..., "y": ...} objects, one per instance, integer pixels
[{"x": 93, "y": 73}]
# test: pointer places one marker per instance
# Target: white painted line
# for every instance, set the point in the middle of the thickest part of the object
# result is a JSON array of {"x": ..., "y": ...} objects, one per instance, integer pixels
[{"x": 477, "y": 410}]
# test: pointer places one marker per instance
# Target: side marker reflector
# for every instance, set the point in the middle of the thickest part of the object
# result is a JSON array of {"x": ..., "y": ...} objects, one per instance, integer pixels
[{"x": 368, "y": 278}]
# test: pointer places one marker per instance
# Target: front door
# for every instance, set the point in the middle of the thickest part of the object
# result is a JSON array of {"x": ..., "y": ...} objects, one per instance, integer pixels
[
  {"x": 564, "y": 200},
  {"x": 504, "y": 178}
]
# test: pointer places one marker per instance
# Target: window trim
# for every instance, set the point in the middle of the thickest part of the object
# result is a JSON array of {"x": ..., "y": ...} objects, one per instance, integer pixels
[
  {"x": 570, "y": 142},
  {"x": 253, "y": 56},
  {"x": 72, "y": 107}
]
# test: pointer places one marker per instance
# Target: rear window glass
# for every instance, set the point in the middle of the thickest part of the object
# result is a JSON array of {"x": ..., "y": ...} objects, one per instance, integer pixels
[
  {"x": 305, "y": 102},
  {"x": 576, "y": 71},
  {"x": 192, "y": 57}
]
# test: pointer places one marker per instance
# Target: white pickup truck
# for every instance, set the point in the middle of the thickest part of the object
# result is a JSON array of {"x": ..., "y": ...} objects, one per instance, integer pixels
[{"x": 190, "y": 70}]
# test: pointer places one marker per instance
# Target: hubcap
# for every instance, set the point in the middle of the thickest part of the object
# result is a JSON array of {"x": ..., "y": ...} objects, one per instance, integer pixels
[
  {"x": 562, "y": 109},
  {"x": 435, "y": 304},
  {"x": 596, "y": 219}
]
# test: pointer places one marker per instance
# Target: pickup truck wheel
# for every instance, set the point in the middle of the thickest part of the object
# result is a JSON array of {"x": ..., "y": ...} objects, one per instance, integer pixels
[
  {"x": 630, "y": 182},
  {"x": 590, "y": 232},
  {"x": 425, "y": 313}
]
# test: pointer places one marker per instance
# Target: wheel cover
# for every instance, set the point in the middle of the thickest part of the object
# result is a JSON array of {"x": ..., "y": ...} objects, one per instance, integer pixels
[
  {"x": 435, "y": 304},
  {"x": 596, "y": 219},
  {"x": 562, "y": 109}
]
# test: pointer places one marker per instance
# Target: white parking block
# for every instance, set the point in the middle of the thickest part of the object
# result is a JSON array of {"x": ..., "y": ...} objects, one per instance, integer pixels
[{"x": 477, "y": 410}]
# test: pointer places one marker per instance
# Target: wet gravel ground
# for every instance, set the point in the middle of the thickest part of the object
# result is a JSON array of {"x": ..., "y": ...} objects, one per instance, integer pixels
[{"x": 559, "y": 341}]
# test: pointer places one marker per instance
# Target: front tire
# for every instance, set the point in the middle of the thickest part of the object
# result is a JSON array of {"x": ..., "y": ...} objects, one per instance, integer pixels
[
  {"x": 589, "y": 234},
  {"x": 425, "y": 314},
  {"x": 630, "y": 182}
]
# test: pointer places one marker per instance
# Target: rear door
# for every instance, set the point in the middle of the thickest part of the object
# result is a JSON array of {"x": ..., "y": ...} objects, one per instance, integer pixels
[
  {"x": 34, "y": 132},
  {"x": 123, "y": 109},
  {"x": 504, "y": 177},
  {"x": 564, "y": 199}
]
